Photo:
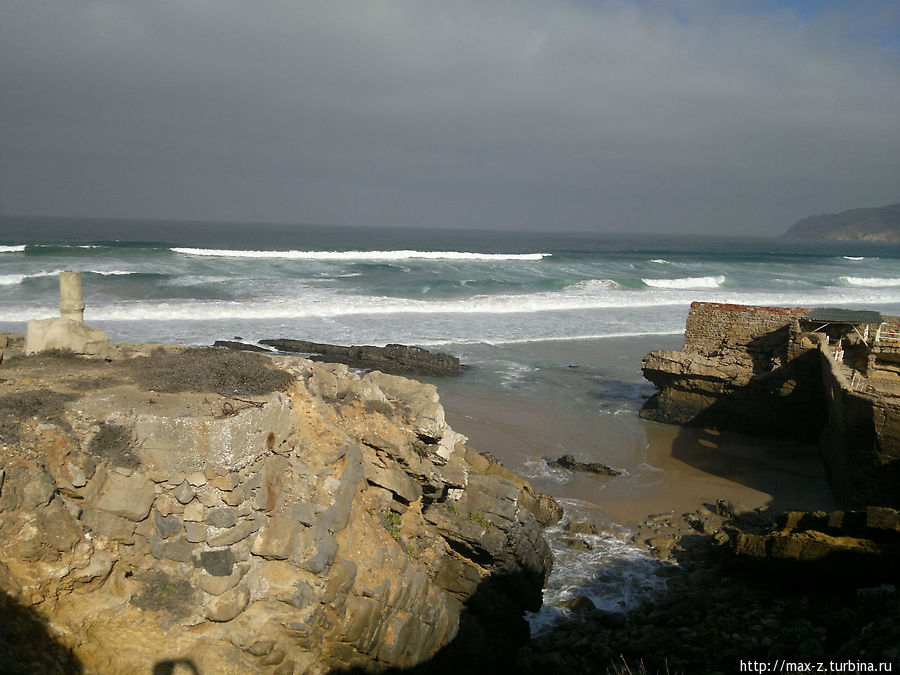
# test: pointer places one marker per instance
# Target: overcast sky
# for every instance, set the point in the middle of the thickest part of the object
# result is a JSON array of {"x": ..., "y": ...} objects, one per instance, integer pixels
[{"x": 728, "y": 117}]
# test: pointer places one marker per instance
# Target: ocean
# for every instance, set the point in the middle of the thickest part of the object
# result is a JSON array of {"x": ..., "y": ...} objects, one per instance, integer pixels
[{"x": 552, "y": 325}]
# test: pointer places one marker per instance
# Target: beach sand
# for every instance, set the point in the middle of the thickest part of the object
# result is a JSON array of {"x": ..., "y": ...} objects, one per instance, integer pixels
[{"x": 666, "y": 468}]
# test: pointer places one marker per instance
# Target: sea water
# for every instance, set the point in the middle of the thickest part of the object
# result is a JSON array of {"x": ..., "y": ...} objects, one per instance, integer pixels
[{"x": 552, "y": 325}]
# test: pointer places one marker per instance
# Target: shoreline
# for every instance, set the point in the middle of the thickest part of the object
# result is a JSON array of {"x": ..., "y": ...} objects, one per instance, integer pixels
[{"x": 666, "y": 468}]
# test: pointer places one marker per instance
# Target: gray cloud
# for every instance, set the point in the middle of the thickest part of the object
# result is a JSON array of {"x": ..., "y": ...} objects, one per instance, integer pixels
[{"x": 602, "y": 116}]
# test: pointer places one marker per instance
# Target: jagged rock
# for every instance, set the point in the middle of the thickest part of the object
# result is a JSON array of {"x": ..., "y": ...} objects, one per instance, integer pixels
[
  {"x": 243, "y": 346},
  {"x": 293, "y": 502},
  {"x": 393, "y": 359},
  {"x": 571, "y": 464}
]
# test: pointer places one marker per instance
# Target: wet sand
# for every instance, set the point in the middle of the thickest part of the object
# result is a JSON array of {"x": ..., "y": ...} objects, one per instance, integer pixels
[{"x": 666, "y": 468}]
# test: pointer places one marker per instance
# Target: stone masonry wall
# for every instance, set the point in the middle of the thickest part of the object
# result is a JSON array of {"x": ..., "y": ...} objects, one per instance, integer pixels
[{"x": 712, "y": 324}]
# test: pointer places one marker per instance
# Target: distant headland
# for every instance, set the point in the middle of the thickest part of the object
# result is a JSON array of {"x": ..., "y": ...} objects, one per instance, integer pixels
[{"x": 871, "y": 224}]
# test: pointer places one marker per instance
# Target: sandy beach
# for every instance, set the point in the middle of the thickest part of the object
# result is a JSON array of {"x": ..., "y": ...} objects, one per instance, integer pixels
[{"x": 665, "y": 468}]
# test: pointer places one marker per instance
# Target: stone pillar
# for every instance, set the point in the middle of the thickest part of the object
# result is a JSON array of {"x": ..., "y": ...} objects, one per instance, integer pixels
[{"x": 70, "y": 303}]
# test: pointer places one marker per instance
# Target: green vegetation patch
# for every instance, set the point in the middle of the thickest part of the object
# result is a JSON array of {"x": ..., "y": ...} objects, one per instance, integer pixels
[
  {"x": 209, "y": 369},
  {"x": 116, "y": 443},
  {"x": 161, "y": 592},
  {"x": 16, "y": 407},
  {"x": 479, "y": 519},
  {"x": 419, "y": 448},
  {"x": 391, "y": 521}
]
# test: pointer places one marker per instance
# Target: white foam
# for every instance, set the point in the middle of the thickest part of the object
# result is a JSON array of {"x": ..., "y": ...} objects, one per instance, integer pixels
[
  {"x": 555, "y": 338},
  {"x": 872, "y": 282},
  {"x": 660, "y": 261},
  {"x": 686, "y": 282},
  {"x": 12, "y": 279},
  {"x": 361, "y": 255},
  {"x": 594, "y": 285},
  {"x": 853, "y": 257},
  {"x": 614, "y": 575},
  {"x": 12, "y": 249}
]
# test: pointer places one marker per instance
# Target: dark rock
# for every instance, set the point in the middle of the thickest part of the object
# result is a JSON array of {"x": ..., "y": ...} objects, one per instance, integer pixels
[
  {"x": 392, "y": 359},
  {"x": 579, "y": 604},
  {"x": 222, "y": 516},
  {"x": 570, "y": 463},
  {"x": 241, "y": 346},
  {"x": 166, "y": 525},
  {"x": 218, "y": 563}
]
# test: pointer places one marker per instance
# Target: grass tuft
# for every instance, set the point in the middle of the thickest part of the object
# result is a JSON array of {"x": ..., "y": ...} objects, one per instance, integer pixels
[
  {"x": 16, "y": 407},
  {"x": 209, "y": 369},
  {"x": 116, "y": 443}
]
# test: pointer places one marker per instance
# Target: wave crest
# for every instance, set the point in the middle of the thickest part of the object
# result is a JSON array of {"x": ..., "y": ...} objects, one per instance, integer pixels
[
  {"x": 871, "y": 282},
  {"x": 686, "y": 282},
  {"x": 360, "y": 255}
]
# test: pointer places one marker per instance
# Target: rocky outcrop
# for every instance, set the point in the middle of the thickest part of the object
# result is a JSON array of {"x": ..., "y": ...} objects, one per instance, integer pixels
[
  {"x": 334, "y": 523},
  {"x": 393, "y": 359},
  {"x": 753, "y": 370},
  {"x": 569, "y": 463},
  {"x": 744, "y": 589},
  {"x": 862, "y": 544}
]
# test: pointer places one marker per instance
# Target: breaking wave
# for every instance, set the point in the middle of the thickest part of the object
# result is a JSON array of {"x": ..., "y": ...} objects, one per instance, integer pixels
[
  {"x": 12, "y": 249},
  {"x": 872, "y": 282},
  {"x": 360, "y": 255},
  {"x": 686, "y": 282},
  {"x": 13, "y": 279}
]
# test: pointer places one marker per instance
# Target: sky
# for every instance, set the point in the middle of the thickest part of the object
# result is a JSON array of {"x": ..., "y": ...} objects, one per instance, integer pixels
[{"x": 676, "y": 116}]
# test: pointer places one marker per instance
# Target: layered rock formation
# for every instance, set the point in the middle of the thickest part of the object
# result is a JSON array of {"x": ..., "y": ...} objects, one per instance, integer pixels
[
  {"x": 811, "y": 587},
  {"x": 758, "y": 370},
  {"x": 393, "y": 359},
  {"x": 279, "y": 516}
]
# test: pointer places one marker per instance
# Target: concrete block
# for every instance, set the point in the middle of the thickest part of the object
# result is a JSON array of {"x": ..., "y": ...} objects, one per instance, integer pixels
[{"x": 58, "y": 333}]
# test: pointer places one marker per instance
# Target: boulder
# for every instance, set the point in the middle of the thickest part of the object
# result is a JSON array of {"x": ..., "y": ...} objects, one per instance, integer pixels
[{"x": 571, "y": 464}]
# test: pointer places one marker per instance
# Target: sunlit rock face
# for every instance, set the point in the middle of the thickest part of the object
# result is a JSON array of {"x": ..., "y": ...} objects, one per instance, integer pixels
[{"x": 336, "y": 522}]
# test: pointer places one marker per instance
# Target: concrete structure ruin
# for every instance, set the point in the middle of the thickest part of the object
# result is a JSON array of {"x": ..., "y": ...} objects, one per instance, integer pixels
[
  {"x": 829, "y": 376},
  {"x": 67, "y": 332}
]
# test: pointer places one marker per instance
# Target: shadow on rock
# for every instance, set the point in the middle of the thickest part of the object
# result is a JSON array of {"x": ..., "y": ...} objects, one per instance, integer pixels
[
  {"x": 721, "y": 608},
  {"x": 491, "y": 631},
  {"x": 28, "y": 647},
  {"x": 175, "y": 667}
]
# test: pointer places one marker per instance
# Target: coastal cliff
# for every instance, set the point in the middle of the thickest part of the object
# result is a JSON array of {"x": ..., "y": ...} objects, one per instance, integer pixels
[
  {"x": 871, "y": 224},
  {"x": 232, "y": 512},
  {"x": 768, "y": 371}
]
